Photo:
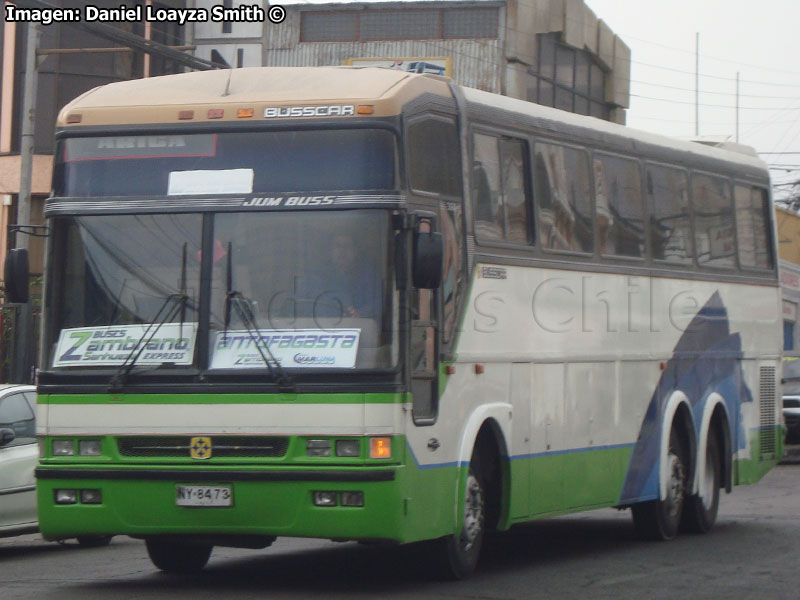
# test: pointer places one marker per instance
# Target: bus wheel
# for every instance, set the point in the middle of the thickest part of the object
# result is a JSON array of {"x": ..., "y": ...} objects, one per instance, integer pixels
[
  {"x": 700, "y": 512},
  {"x": 660, "y": 519},
  {"x": 461, "y": 551},
  {"x": 176, "y": 557}
]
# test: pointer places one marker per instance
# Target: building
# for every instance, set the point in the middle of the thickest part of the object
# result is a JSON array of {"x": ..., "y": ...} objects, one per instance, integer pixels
[
  {"x": 788, "y": 228},
  {"x": 553, "y": 52}
]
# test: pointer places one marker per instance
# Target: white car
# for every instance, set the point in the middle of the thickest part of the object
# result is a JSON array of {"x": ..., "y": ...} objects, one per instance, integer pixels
[{"x": 19, "y": 454}]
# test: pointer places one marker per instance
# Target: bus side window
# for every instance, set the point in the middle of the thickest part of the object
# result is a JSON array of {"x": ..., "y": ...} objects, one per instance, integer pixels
[
  {"x": 618, "y": 201},
  {"x": 714, "y": 231},
  {"x": 752, "y": 227},
  {"x": 500, "y": 197},
  {"x": 434, "y": 156},
  {"x": 564, "y": 199},
  {"x": 670, "y": 220}
]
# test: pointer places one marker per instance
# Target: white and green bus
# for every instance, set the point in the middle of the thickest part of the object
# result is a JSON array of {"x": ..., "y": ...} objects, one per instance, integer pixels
[{"x": 363, "y": 304}]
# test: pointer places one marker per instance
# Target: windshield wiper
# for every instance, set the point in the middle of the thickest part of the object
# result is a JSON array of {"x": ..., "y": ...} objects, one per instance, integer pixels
[
  {"x": 119, "y": 379},
  {"x": 243, "y": 306}
]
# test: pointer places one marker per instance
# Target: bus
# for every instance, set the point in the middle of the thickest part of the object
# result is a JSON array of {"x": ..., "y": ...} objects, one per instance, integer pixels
[{"x": 364, "y": 304}]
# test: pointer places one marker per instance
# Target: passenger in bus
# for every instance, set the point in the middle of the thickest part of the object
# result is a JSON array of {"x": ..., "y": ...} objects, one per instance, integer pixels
[{"x": 347, "y": 286}]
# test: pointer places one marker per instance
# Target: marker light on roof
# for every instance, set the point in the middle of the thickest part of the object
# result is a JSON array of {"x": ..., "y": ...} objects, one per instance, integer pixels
[
  {"x": 186, "y": 115},
  {"x": 244, "y": 113},
  {"x": 215, "y": 113}
]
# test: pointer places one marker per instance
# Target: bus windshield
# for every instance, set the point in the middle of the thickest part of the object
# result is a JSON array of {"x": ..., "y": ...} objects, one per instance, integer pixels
[
  {"x": 226, "y": 163},
  {"x": 308, "y": 290}
]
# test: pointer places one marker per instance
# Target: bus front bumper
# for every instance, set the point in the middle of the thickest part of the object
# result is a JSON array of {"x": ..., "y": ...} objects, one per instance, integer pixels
[{"x": 267, "y": 502}]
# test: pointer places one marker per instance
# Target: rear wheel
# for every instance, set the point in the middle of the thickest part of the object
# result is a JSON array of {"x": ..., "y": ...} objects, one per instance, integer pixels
[
  {"x": 700, "y": 512},
  {"x": 660, "y": 519},
  {"x": 178, "y": 557}
]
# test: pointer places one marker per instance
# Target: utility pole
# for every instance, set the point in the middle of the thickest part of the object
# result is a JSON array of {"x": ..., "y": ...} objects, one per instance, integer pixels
[
  {"x": 23, "y": 330},
  {"x": 697, "y": 84},
  {"x": 737, "y": 107}
]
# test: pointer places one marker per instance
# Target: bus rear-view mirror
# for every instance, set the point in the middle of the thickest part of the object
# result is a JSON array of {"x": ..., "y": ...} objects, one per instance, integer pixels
[{"x": 15, "y": 274}]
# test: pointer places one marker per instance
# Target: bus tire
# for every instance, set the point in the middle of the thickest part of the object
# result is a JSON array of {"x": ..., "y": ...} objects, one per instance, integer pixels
[
  {"x": 661, "y": 519},
  {"x": 177, "y": 557},
  {"x": 700, "y": 513},
  {"x": 458, "y": 554}
]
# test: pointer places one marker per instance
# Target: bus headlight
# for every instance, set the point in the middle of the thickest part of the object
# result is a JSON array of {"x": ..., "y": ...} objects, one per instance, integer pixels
[
  {"x": 348, "y": 448},
  {"x": 318, "y": 447},
  {"x": 63, "y": 448},
  {"x": 89, "y": 448}
]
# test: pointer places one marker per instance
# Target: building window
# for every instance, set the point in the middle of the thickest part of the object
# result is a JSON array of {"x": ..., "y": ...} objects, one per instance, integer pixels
[
  {"x": 423, "y": 24},
  {"x": 788, "y": 335},
  {"x": 568, "y": 79}
]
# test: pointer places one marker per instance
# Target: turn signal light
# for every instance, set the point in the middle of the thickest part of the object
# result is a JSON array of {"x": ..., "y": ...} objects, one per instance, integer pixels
[{"x": 380, "y": 447}]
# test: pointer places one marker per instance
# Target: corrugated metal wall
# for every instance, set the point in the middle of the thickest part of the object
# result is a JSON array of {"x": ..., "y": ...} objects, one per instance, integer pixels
[{"x": 476, "y": 63}]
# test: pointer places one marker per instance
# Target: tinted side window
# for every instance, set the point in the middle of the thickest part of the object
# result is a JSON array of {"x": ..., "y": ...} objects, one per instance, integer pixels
[
  {"x": 434, "y": 156},
  {"x": 563, "y": 195},
  {"x": 714, "y": 231},
  {"x": 670, "y": 219},
  {"x": 752, "y": 227},
  {"x": 618, "y": 198},
  {"x": 499, "y": 192}
]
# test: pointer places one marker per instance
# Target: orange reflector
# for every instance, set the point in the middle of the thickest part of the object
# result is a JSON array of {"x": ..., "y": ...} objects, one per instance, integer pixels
[
  {"x": 186, "y": 115},
  {"x": 479, "y": 369},
  {"x": 215, "y": 113},
  {"x": 380, "y": 447},
  {"x": 365, "y": 109},
  {"x": 244, "y": 113},
  {"x": 74, "y": 118},
  {"x": 450, "y": 370}
]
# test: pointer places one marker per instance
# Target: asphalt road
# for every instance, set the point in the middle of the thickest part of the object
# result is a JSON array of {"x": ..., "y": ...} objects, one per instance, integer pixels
[{"x": 751, "y": 553}]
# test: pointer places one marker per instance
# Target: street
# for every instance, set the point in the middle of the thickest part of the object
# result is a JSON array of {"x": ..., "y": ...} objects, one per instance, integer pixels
[{"x": 750, "y": 553}]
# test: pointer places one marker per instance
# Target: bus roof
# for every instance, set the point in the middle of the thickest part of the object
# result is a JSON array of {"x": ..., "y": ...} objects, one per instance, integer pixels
[
  {"x": 217, "y": 94},
  {"x": 155, "y": 99},
  {"x": 599, "y": 129}
]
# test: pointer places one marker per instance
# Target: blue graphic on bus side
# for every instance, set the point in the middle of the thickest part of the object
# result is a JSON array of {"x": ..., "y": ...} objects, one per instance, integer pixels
[{"x": 706, "y": 360}]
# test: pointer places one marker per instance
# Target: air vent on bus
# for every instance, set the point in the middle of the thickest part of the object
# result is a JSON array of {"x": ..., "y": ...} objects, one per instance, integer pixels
[
  {"x": 767, "y": 420},
  {"x": 221, "y": 446}
]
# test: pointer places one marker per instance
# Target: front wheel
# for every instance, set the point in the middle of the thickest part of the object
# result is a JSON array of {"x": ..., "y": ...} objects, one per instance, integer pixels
[
  {"x": 700, "y": 512},
  {"x": 660, "y": 519},
  {"x": 178, "y": 557},
  {"x": 458, "y": 554}
]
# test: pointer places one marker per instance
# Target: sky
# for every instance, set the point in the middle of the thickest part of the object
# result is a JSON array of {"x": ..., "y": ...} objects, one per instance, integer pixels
[{"x": 758, "y": 39}]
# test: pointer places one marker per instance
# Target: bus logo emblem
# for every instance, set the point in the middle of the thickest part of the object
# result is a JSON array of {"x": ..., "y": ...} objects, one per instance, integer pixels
[{"x": 200, "y": 448}]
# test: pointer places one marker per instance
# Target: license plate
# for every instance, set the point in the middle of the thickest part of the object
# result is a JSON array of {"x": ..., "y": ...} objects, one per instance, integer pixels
[{"x": 203, "y": 495}]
